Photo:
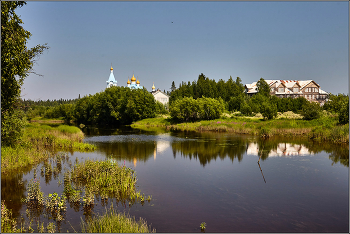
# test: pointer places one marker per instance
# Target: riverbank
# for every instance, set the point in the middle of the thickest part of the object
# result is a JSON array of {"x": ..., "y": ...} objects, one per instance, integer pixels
[
  {"x": 322, "y": 129},
  {"x": 40, "y": 142}
]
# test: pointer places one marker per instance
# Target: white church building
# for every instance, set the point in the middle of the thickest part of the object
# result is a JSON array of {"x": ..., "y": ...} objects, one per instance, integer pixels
[{"x": 135, "y": 84}]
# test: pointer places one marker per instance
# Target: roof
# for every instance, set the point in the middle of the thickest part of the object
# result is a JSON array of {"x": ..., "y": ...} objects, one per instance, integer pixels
[
  {"x": 158, "y": 91},
  {"x": 289, "y": 84}
]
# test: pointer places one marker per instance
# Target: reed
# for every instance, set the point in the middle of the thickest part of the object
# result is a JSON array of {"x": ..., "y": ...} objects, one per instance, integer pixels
[
  {"x": 114, "y": 222},
  {"x": 104, "y": 179}
]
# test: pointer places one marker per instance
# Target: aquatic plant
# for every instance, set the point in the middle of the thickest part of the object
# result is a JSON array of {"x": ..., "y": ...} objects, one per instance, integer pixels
[
  {"x": 34, "y": 193},
  {"x": 8, "y": 224},
  {"x": 104, "y": 179},
  {"x": 113, "y": 222},
  {"x": 56, "y": 205}
]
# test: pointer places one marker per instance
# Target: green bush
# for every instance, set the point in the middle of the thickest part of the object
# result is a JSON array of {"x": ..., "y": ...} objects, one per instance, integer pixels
[
  {"x": 12, "y": 125},
  {"x": 311, "y": 110},
  {"x": 268, "y": 110},
  {"x": 189, "y": 109},
  {"x": 343, "y": 116}
]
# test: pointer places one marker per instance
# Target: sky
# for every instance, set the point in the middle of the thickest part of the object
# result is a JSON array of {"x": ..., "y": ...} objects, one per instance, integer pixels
[{"x": 162, "y": 42}]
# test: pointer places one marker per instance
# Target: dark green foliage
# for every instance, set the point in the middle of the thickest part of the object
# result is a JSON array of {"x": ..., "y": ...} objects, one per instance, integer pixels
[
  {"x": 245, "y": 108},
  {"x": 263, "y": 87},
  {"x": 115, "y": 105},
  {"x": 160, "y": 108},
  {"x": 189, "y": 109},
  {"x": 338, "y": 104},
  {"x": 205, "y": 87},
  {"x": 16, "y": 63},
  {"x": 311, "y": 110},
  {"x": 344, "y": 112},
  {"x": 268, "y": 110},
  {"x": 12, "y": 127}
]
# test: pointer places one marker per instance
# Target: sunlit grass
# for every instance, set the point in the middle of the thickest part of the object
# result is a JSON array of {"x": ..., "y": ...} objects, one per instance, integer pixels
[
  {"x": 114, "y": 222},
  {"x": 38, "y": 143},
  {"x": 105, "y": 179},
  {"x": 325, "y": 128}
]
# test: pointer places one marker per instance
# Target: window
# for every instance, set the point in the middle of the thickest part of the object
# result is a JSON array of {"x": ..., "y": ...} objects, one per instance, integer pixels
[
  {"x": 295, "y": 90},
  {"x": 280, "y": 90},
  {"x": 316, "y": 89},
  {"x": 272, "y": 89}
]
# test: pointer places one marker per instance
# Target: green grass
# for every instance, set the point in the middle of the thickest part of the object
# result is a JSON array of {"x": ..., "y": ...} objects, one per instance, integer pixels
[
  {"x": 40, "y": 142},
  {"x": 105, "y": 179},
  {"x": 114, "y": 222},
  {"x": 322, "y": 129}
]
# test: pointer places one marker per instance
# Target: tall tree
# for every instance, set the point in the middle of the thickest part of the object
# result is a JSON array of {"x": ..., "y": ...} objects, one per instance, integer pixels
[
  {"x": 173, "y": 87},
  {"x": 16, "y": 62},
  {"x": 263, "y": 87}
]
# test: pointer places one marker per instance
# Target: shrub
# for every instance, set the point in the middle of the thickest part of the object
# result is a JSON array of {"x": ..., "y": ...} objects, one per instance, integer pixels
[
  {"x": 268, "y": 110},
  {"x": 343, "y": 116},
  {"x": 246, "y": 109},
  {"x": 311, "y": 110}
]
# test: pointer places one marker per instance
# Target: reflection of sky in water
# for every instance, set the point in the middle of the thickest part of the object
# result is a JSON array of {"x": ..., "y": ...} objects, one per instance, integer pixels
[
  {"x": 206, "y": 183},
  {"x": 136, "y": 138}
]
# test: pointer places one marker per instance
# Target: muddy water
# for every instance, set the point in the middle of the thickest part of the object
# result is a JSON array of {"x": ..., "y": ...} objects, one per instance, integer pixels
[{"x": 233, "y": 183}]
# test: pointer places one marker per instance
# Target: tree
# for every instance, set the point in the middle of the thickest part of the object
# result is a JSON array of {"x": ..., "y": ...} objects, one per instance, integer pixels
[
  {"x": 311, "y": 110},
  {"x": 263, "y": 87},
  {"x": 173, "y": 87},
  {"x": 16, "y": 63},
  {"x": 268, "y": 110}
]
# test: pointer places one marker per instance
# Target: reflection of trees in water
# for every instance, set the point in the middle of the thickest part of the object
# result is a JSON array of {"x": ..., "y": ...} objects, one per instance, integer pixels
[
  {"x": 207, "y": 149},
  {"x": 128, "y": 150},
  {"x": 12, "y": 192}
]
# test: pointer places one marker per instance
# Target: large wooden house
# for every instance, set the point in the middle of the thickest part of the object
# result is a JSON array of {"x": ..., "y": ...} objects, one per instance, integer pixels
[{"x": 308, "y": 89}]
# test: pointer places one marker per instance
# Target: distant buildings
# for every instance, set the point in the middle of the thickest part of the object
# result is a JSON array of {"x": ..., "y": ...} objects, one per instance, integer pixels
[
  {"x": 160, "y": 96},
  {"x": 111, "y": 81},
  {"x": 308, "y": 89},
  {"x": 135, "y": 84}
]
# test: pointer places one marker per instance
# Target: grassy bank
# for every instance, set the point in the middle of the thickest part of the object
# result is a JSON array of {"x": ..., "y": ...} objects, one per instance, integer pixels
[
  {"x": 40, "y": 142},
  {"x": 322, "y": 129}
]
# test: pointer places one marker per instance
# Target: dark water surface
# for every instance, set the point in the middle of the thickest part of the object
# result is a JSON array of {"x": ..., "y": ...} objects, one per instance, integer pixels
[{"x": 234, "y": 183}]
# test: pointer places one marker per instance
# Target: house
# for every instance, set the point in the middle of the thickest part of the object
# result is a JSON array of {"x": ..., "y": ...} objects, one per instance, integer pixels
[
  {"x": 160, "y": 96},
  {"x": 308, "y": 89}
]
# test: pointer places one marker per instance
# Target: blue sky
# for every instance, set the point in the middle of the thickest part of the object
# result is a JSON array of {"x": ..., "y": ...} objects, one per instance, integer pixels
[{"x": 162, "y": 42}]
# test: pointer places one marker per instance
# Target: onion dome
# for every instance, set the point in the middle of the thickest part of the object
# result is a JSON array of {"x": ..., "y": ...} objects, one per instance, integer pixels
[
  {"x": 111, "y": 68},
  {"x": 137, "y": 82},
  {"x": 133, "y": 78},
  {"x": 153, "y": 86},
  {"x": 128, "y": 81}
]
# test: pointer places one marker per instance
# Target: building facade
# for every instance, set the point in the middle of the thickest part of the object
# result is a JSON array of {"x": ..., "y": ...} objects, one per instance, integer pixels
[
  {"x": 160, "y": 96},
  {"x": 308, "y": 89}
]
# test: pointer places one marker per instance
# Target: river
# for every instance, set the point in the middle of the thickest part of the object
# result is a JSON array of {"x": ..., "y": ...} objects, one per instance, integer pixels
[{"x": 233, "y": 183}]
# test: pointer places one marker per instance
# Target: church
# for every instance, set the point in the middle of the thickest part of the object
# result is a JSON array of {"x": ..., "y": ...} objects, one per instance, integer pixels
[{"x": 135, "y": 84}]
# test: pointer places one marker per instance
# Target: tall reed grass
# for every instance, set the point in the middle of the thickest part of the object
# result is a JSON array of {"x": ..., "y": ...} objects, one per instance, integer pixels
[
  {"x": 114, "y": 222},
  {"x": 104, "y": 179}
]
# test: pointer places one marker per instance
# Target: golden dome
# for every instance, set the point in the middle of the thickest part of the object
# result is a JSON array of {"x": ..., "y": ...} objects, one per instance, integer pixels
[
  {"x": 133, "y": 78},
  {"x": 128, "y": 81},
  {"x": 153, "y": 86},
  {"x": 137, "y": 82},
  {"x": 111, "y": 68}
]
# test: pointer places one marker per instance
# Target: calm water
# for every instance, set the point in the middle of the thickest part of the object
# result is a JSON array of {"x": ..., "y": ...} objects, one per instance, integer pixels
[{"x": 233, "y": 183}]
